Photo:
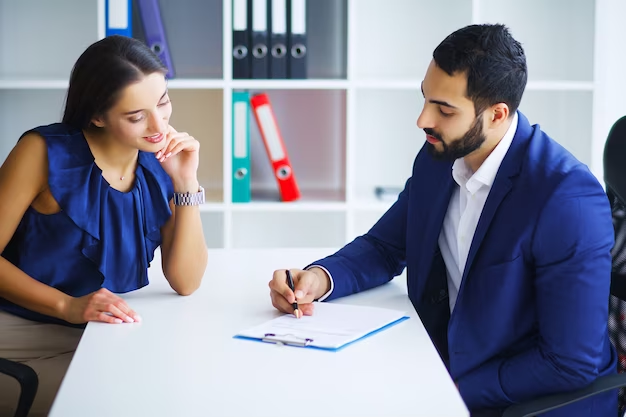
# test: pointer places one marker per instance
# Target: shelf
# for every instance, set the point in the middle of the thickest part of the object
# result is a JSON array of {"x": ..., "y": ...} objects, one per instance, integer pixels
[
  {"x": 412, "y": 84},
  {"x": 309, "y": 84},
  {"x": 297, "y": 206},
  {"x": 195, "y": 84},
  {"x": 372, "y": 204},
  {"x": 288, "y": 229},
  {"x": 33, "y": 84}
]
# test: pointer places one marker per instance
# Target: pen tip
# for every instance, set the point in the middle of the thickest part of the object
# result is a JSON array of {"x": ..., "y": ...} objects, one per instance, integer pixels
[{"x": 296, "y": 313}]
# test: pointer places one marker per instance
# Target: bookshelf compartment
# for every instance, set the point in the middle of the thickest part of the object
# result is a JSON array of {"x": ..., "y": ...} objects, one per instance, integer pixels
[
  {"x": 388, "y": 139},
  {"x": 200, "y": 113},
  {"x": 557, "y": 35},
  {"x": 271, "y": 229},
  {"x": 194, "y": 32},
  {"x": 313, "y": 126},
  {"x": 400, "y": 44},
  {"x": 363, "y": 221},
  {"x": 327, "y": 37},
  {"x": 213, "y": 229},
  {"x": 35, "y": 42},
  {"x": 19, "y": 113}
]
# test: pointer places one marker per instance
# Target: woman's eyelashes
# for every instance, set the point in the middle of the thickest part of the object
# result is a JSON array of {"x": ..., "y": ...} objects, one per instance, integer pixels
[{"x": 138, "y": 119}]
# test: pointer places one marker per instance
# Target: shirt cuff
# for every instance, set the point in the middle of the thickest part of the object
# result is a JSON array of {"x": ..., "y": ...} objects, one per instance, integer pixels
[{"x": 332, "y": 283}]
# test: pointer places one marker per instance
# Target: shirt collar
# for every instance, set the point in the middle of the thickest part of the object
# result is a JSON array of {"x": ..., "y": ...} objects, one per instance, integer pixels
[{"x": 486, "y": 173}]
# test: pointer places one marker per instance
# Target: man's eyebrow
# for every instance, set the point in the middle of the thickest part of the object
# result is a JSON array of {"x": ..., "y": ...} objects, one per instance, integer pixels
[
  {"x": 128, "y": 113},
  {"x": 440, "y": 102}
]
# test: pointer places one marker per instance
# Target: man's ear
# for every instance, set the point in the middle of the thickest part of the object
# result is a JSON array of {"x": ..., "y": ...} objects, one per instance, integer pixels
[{"x": 499, "y": 114}]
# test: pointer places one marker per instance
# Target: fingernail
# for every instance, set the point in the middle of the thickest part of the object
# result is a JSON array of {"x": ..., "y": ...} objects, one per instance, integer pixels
[
  {"x": 168, "y": 155},
  {"x": 129, "y": 319},
  {"x": 298, "y": 294},
  {"x": 137, "y": 318},
  {"x": 118, "y": 321},
  {"x": 158, "y": 155}
]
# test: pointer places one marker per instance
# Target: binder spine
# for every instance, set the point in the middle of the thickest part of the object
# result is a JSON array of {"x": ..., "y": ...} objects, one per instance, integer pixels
[
  {"x": 277, "y": 24},
  {"x": 241, "y": 38},
  {"x": 241, "y": 186},
  {"x": 274, "y": 145},
  {"x": 259, "y": 42},
  {"x": 118, "y": 18},
  {"x": 154, "y": 31},
  {"x": 297, "y": 39}
]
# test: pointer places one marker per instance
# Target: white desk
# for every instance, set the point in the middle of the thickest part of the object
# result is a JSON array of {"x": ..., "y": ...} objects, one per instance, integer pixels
[{"x": 182, "y": 360}]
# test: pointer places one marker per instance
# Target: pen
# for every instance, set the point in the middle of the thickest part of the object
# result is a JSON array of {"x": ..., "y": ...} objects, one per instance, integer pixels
[{"x": 295, "y": 303}]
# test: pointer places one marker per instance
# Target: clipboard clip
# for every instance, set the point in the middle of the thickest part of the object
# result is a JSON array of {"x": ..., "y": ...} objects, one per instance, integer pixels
[{"x": 287, "y": 339}]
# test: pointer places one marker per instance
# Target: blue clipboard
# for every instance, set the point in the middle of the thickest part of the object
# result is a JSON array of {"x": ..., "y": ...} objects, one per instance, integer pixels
[{"x": 299, "y": 340}]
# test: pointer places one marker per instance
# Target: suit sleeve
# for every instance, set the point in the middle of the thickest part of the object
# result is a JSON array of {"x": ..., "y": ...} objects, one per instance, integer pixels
[
  {"x": 372, "y": 259},
  {"x": 571, "y": 246}
]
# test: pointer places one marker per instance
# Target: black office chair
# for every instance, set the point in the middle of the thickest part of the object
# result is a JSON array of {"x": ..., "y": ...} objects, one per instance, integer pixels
[
  {"x": 615, "y": 179},
  {"x": 28, "y": 380}
]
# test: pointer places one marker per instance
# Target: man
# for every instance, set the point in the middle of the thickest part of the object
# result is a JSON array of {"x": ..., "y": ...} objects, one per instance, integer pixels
[{"x": 505, "y": 235}]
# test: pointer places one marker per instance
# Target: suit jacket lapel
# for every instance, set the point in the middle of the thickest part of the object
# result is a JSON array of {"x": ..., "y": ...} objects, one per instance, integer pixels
[
  {"x": 510, "y": 167},
  {"x": 499, "y": 190}
]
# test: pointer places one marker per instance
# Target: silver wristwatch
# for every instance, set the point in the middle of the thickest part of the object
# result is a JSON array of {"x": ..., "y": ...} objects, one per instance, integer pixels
[{"x": 189, "y": 199}]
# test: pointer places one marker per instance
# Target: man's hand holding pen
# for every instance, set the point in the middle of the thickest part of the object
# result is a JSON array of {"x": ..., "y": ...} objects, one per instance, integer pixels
[{"x": 307, "y": 286}]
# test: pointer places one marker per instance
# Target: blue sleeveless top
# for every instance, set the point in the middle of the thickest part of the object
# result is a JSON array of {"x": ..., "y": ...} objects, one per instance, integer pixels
[{"x": 101, "y": 237}]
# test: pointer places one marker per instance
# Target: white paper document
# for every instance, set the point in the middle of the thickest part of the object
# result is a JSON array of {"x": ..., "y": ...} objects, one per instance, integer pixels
[{"x": 332, "y": 326}]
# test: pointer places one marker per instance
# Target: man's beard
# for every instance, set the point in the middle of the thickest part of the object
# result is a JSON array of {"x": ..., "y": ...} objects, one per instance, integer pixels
[{"x": 459, "y": 148}]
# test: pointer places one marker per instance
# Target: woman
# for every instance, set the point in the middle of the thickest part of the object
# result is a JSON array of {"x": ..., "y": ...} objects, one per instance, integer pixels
[{"x": 84, "y": 204}]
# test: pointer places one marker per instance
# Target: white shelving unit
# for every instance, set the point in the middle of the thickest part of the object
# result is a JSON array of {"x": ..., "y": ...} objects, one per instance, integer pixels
[{"x": 349, "y": 128}]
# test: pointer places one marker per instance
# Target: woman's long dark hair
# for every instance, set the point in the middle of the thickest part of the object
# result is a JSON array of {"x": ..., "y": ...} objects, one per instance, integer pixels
[{"x": 101, "y": 73}]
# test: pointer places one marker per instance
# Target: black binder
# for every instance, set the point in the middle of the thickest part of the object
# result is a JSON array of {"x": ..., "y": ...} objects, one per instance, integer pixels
[
  {"x": 259, "y": 59},
  {"x": 296, "y": 26},
  {"x": 277, "y": 25},
  {"x": 241, "y": 38}
]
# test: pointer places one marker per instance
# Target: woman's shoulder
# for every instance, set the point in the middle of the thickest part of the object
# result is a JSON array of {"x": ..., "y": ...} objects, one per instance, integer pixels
[
  {"x": 63, "y": 143},
  {"x": 53, "y": 131}
]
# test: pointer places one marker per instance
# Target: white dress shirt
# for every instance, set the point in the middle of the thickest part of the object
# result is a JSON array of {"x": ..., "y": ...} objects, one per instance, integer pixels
[{"x": 464, "y": 210}]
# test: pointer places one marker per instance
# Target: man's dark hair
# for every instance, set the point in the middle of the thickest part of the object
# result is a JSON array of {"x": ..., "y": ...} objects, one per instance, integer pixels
[{"x": 494, "y": 62}]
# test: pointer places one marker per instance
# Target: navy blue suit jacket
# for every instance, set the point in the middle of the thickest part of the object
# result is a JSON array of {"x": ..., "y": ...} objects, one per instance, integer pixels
[{"x": 531, "y": 314}]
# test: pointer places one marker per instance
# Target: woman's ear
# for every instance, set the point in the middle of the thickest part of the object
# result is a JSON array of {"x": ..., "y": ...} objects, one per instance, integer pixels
[{"x": 97, "y": 122}]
